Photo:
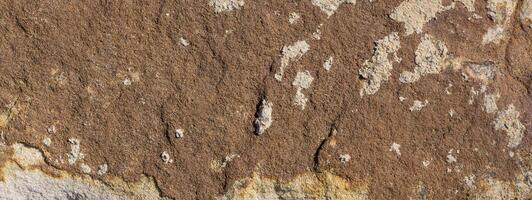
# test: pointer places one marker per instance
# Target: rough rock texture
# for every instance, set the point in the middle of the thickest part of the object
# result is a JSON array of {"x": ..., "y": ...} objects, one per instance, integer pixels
[{"x": 241, "y": 99}]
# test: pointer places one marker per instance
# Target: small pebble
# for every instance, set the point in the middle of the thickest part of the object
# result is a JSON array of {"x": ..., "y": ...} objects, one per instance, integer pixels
[{"x": 179, "y": 133}]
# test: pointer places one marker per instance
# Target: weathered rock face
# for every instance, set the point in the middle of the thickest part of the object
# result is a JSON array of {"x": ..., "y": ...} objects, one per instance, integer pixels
[{"x": 240, "y": 99}]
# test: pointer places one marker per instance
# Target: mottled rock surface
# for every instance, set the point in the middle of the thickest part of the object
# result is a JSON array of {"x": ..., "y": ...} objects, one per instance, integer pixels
[{"x": 241, "y": 99}]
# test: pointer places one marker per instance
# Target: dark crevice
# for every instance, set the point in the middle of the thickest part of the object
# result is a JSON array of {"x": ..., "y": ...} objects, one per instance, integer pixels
[
  {"x": 21, "y": 26},
  {"x": 332, "y": 133},
  {"x": 165, "y": 124},
  {"x": 226, "y": 181},
  {"x": 159, "y": 14},
  {"x": 317, "y": 153}
]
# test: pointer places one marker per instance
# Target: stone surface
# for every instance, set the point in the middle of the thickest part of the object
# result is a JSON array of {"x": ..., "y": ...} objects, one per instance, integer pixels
[{"x": 239, "y": 99}]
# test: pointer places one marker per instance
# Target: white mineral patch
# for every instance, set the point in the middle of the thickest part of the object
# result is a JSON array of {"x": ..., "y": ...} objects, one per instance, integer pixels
[
  {"x": 317, "y": 34},
  {"x": 292, "y": 52},
  {"x": 378, "y": 69},
  {"x": 401, "y": 99},
  {"x": 500, "y": 11},
  {"x": 328, "y": 63},
  {"x": 218, "y": 165},
  {"x": 22, "y": 180},
  {"x": 264, "y": 117},
  {"x": 344, "y": 158},
  {"x": 431, "y": 58},
  {"x": 452, "y": 112},
  {"x": 508, "y": 121},
  {"x": 329, "y": 7},
  {"x": 418, "y": 105},
  {"x": 395, "y": 148},
  {"x": 300, "y": 99},
  {"x": 102, "y": 169},
  {"x": 447, "y": 89},
  {"x": 294, "y": 18},
  {"x": 26, "y": 156},
  {"x": 302, "y": 81},
  {"x": 166, "y": 157},
  {"x": 450, "y": 157},
  {"x": 416, "y": 13},
  {"x": 179, "y": 133},
  {"x": 494, "y": 34},
  {"x": 226, "y": 5},
  {"x": 126, "y": 82},
  {"x": 426, "y": 163},
  {"x": 490, "y": 103},
  {"x": 75, "y": 151},
  {"x": 85, "y": 168},
  {"x": 229, "y": 158},
  {"x": 183, "y": 41},
  {"x": 47, "y": 141},
  {"x": 473, "y": 95},
  {"x": 470, "y": 181},
  {"x": 51, "y": 129}
]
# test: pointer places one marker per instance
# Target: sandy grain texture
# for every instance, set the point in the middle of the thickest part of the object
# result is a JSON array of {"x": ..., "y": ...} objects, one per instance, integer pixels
[{"x": 241, "y": 99}]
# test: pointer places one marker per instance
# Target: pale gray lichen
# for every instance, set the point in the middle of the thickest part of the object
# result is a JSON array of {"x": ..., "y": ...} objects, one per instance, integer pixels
[
  {"x": 329, "y": 7},
  {"x": 378, "y": 69},
  {"x": 344, "y": 158},
  {"x": 421, "y": 192},
  {"x": 470, "y": 181},
  {"x": 302, "y": 81},
  {"x": 292, "y": 52},
  {"x": 431, "y": 58},
  {"x": 483, "y": 71},
  {"x": 85, "y": 168},
  {"x": 416, "y": 13},
  {"x": 293, "y": 18},
  {"x": 490, "y": 103},
  {"x": 102, "y": 169},
  {"x": 450, "y": 157},
  {"x": 264, "y": 117},
  {"x": 226, "y": 5},
  {"x": 328, "y": 63},
  {"x": 395, "y": 148},
  {"x": 418, "y": 105},
  {"x": 500, "y": 11},
  {"x": 47, "y": 141},
  {"x": 317, "y": 34},
  {"x": 508, "y": 121},
  {"x": 51, "y": 129},
  {"x": 75, "y": 151}
]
